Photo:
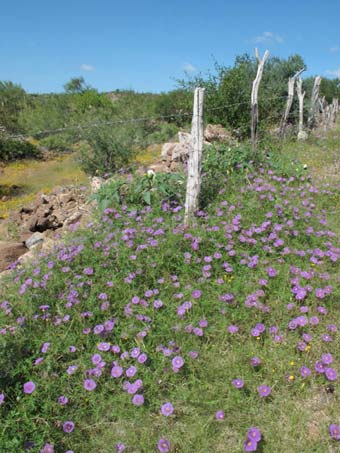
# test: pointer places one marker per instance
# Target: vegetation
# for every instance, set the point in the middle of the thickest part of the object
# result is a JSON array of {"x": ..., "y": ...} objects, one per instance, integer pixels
[
  {"x": 11, "y": 150},
  {"x": 139, "y": 335},
  {"x": 59, "y": 121}
]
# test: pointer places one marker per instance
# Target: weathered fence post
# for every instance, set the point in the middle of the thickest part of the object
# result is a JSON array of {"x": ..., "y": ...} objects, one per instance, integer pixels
[
  {"x": 195, "y": 156},
  {"x": 334, "y": 111},
  {"x": 291, "y": 83},
  {"x": 323, "y": 109},
  {"x": 314, "y": 106},
  {"x": 302, "y": 135},
  {"x": 254, "y": 95}
]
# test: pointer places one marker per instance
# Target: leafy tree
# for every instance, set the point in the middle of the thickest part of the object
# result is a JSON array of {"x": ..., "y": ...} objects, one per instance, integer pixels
[
  {"x": 13, "y": 100},
  {"x": 76, "y": 85}
]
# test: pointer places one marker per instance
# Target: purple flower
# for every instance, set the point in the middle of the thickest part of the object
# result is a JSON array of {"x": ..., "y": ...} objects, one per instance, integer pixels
[
  {"x": 47, "y": 448},
  {"x": 255, "y": 361},
  {"x": 305, "y": 371},
  {"x": 319, "y": 367},
  {"x": 68, "y": 427},
  {"x": 314, "y": 320},
  {"x": 250, "y": 445},
  {"x": 89, "y": 384},
  {"x": 196, "y": 294},
  {"x": 96, "y": 358},
  {"x": 260, "y": 327},
  {"x": 29, "y": 387},
  {"x": 264, "y": 390},
  {"x": 120, "y": 447},
  {"x": 271, "y": 273},
  {"x": 332, "y": 328},
  {"x": 131, "y": 371},
  {"x": 219, "y": 415},
  {"x": 135, "y": 353},
  {"x": 62, "y": 400},
  {"x": 327, "y": 359},
  {"x": 72, "y": 369},
  {"x": 116, "y": 371},
  {"x": 331, "y": 374},
  {"x": 255, "y": 332},
  {"x": 104, "y": 347},
  {"x": 138, "y": 400},
  {"x": 326, "y": 338},
  {"x": 163, "y": 445},
  {"x": 177, "y": 362},
  {"x": 232, "y": 329},
  {"x": 88, "y": 270},
  {"x": 2, "y": 398},
  {"x": 238, "y": 383},
  {"x": 334, "y": 431},
  {"x": 167, "y": 409},
  {"x": 45, "y": 347},
  {"x": 254, "y": 434},
  {"x": 142, "y": 358}
]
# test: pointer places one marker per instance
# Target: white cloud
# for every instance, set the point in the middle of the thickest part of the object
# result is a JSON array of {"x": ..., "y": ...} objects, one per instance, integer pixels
[
  {"x": 268, "y": 37},
  {"x": 333, "y": 72},
  {"x": 86, "y": 67},
  {"x": 334, "y": 49},
  {"x": 188, "y": 67}
]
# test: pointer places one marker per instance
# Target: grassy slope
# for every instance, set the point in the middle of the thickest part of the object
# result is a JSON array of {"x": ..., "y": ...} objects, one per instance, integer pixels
[
  {"x": 295, "y": 418},
  {"x": 33, "y": 176}
]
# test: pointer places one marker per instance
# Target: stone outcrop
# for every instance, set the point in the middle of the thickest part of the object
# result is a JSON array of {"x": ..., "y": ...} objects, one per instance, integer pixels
[
  {"x": 175, "y": 155},
  {"x": 217, "y": 133},
  {"x": 49, "y": 212},
  {"x": 60, "y": 210}
]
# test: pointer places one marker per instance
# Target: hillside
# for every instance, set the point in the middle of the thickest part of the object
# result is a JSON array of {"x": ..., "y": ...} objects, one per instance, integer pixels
[{"x": 140, "y": 335}]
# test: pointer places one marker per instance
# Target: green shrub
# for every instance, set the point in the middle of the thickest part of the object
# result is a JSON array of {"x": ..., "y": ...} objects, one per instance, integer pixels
[
  {"x": 219, "y": 162},
  {"x": 107, "y": 150},
  {"x": 143, "y": 190},
  {"x": 17, "y": 149}
]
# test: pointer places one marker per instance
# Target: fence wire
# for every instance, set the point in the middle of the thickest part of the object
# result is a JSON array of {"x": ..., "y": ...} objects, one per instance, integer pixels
[{"x": 80, "y": 127}]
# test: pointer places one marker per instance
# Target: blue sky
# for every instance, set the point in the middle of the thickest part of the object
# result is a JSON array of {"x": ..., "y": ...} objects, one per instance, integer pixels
[{"x": 144, "y": 45}]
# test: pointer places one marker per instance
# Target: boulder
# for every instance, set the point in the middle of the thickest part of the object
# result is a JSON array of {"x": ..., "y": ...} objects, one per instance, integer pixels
[
  {"x": 96, "y": 183},
  {"x": 302, "y": 136},
  {"x": 167, "y": 150},
  {"x": 216, "y": 132},
  {"x": 34, "y": 239}
]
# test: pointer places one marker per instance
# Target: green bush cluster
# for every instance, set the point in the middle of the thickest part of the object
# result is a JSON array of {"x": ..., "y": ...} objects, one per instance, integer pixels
[
  {"x": 17, "y": 149},
  {"x": 141, "y": 190}
]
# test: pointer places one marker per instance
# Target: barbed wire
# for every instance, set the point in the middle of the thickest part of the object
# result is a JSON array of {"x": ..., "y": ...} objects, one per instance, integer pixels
[{"x": 80, "y": 127}]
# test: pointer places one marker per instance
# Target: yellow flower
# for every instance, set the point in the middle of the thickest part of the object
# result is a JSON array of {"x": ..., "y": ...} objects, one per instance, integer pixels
[
  {"x": 291, "y": 377},
  {"x": 292, "y": 363}
]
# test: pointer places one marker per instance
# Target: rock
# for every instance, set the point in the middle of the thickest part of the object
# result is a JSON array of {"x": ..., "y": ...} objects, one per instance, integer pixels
[
  {"x": 45, "y": 199},
  {"x": 167, "y": 150},
  {"x": 73, "y": 218},
  {"x": 36, "y": 238},
  {"x": 27, "y": 257},
  {"x": 96, "y": 183},
  {"x": 65, "y": 198},
  {"x": 302, "y": 135},
  {"x": 216, "y": 132},
  {"x": 159, "y": 167},
  {"x": 10, "y": 252}
]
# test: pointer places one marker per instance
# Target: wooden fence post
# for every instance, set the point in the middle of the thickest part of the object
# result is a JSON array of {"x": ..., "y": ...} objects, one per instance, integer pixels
[
  {"x": 291, "y": 83},
  {"x": 195, "y": 157},
  {"x": 302, "y": 135},
  {"x": 254, "y": 95},
  {"x": 334, "y": 111},
  {"x": 314, "y": 106}
]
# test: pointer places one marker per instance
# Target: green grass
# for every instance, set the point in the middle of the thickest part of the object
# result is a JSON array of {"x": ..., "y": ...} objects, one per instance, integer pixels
[
  {"x": 34, "y": 176},
  {"x": 294, "y": 418}
]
